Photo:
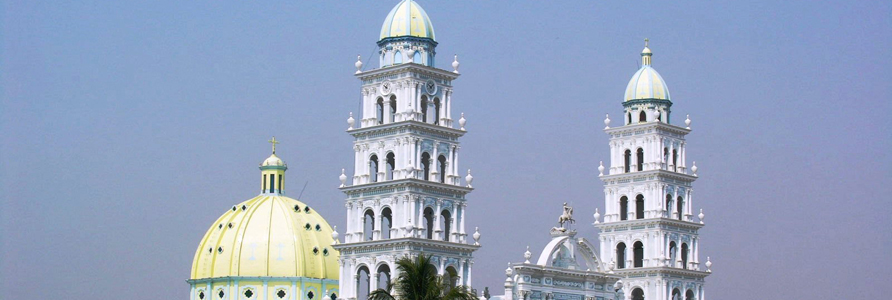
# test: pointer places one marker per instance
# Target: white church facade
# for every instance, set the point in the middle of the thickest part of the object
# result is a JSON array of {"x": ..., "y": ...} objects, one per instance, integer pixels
[{"x": 407, "y": 196}]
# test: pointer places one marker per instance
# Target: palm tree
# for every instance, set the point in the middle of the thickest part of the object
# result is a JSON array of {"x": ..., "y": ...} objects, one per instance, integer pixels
[{"x": 418, "y": 280}]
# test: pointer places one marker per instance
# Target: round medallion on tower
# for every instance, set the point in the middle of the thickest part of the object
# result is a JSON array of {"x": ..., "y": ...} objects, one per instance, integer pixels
[{"x": 646, "y": 83}]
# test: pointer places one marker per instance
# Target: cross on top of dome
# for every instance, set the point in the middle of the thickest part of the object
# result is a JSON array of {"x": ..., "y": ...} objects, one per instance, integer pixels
[{"x": 274, "y": 142}]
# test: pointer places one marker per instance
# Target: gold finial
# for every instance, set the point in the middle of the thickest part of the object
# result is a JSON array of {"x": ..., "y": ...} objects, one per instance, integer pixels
[
  {"x": 645, "y": 42},
  {"x": 274, "y": 142}
]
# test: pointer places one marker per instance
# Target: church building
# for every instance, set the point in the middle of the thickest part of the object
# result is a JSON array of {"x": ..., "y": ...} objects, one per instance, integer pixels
[{"x": 407, "y": 196}]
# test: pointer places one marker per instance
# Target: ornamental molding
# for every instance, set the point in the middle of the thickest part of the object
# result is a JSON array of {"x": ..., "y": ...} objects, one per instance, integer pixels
[
  {"x": 649, "y": 224},
  {"x": 409, "y": 69},
  {"x": 664, "y": 129},
  {"x": 686, "y": 274},
  {"x": 411, "y": 244},
  {"x": 648, "y": 175},
  {"x": 407, "y": 127}
]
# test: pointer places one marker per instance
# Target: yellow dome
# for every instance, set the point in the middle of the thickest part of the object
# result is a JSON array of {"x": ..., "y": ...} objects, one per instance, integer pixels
[
  {"x": 407, "y": 18},
  {"x": 647, "y": 84},
  {"x": 271, "y": 236}
]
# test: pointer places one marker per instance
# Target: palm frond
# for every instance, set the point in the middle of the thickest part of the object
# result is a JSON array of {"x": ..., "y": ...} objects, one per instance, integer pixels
[
  {"x": 460, "y": 293},
  {"x": 381, "y": 294}
]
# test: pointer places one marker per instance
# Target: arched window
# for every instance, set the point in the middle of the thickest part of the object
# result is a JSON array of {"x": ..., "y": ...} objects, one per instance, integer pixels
[
  {"x": 429, "y": 223},
  {"x": 637, "y": 294},
  {"x": 628, "y": 160},
  {"x": 383, "y": 277},
  {"x": 450, "y": 278},
  {"x": 441, "y": 167},
  {"x": 397, "y": 57},
  {"x": 628, "y": 118},
  {"x": 392, "y": 108},
  {"x": 623, "y": 208},
  {"x": 689, "y": 295},
  {"x": 639, "y": 207},
  {"x": 368, "y": 227},
  {"x": 642, "y": 117},
  {"x": 417, "y": 57},
  {"x": 423, "y": 108},
  {"x": 373, "y": 168},
  {"x": 386, "y": 222},
  {"x": 379, "y": 110},
  {"x": 684, "y": 255},
  {"x": 362, "y": 283},
  {"x": 621, "y": 256},
  {"x": 436, "y": 111},
  {"x": 640, "y": 159},
  {"x": 665, "y": 155},
  {"x": 446, "y": 224},
  {"x": 426, "y": 165},
  {"x": 391, "y": 165},
  {"x": 672, "y": 253},
  {"x": 272, "y": 183},
  {"x": 676, "y": 295},
  {"x": 680, "y": 210},
  {"x": 264, "y": 184},
  {"x": 638, "y": 254},
  {"x": 674, "y": 160},
  {"x": 668, "y": 205}
]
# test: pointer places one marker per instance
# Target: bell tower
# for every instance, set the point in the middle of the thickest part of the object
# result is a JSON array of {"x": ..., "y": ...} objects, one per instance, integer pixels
[
  {"x": 406, "y": 195},
  {"x": 649, "y": 235}
]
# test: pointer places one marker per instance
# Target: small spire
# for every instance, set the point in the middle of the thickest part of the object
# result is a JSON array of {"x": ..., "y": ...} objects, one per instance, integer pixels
[
  {"x": 274, "y": 142},
  {"x": 645, "y": 54}
]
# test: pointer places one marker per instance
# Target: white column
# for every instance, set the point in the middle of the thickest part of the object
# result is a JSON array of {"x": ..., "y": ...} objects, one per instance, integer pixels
[
  {"x": 463, "y": 215},
  {"x": 455, "y": 167},
  {"x": 454, "y": 224},
  {"x": 418, "y": 165},
  {"x": 413, "y": 98},
  {"x": 435, "y": 158},
  {"x": 385, "y": 110},
  {"x": 360, "y": 217},
  {"x": 347, "y": 231},
  {"x": 437, "y": 230},
  {"x": 420, "y": 211},
  {"x": 449, "y": 106},
  {"x": 470, "y": 264},
  {"x": 293, "y": 292}
]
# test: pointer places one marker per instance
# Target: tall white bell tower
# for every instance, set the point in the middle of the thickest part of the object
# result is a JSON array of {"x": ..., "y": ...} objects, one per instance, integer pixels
[
  {"x": 649, "y": 234},
  {"x": 406, "y": 196}
]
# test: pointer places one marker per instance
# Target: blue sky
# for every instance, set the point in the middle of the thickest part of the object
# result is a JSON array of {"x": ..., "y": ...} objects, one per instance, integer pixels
[{"x": 127, "y": 128}]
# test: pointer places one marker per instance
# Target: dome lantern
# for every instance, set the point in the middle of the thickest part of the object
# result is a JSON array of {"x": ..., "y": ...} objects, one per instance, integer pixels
[
  {"x": 646, "y": 54},
  {"x": 272, "y": 173}
]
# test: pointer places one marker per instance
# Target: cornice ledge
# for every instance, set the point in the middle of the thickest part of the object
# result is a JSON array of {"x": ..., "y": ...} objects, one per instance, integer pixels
[{"x": 406, "y": 67}]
